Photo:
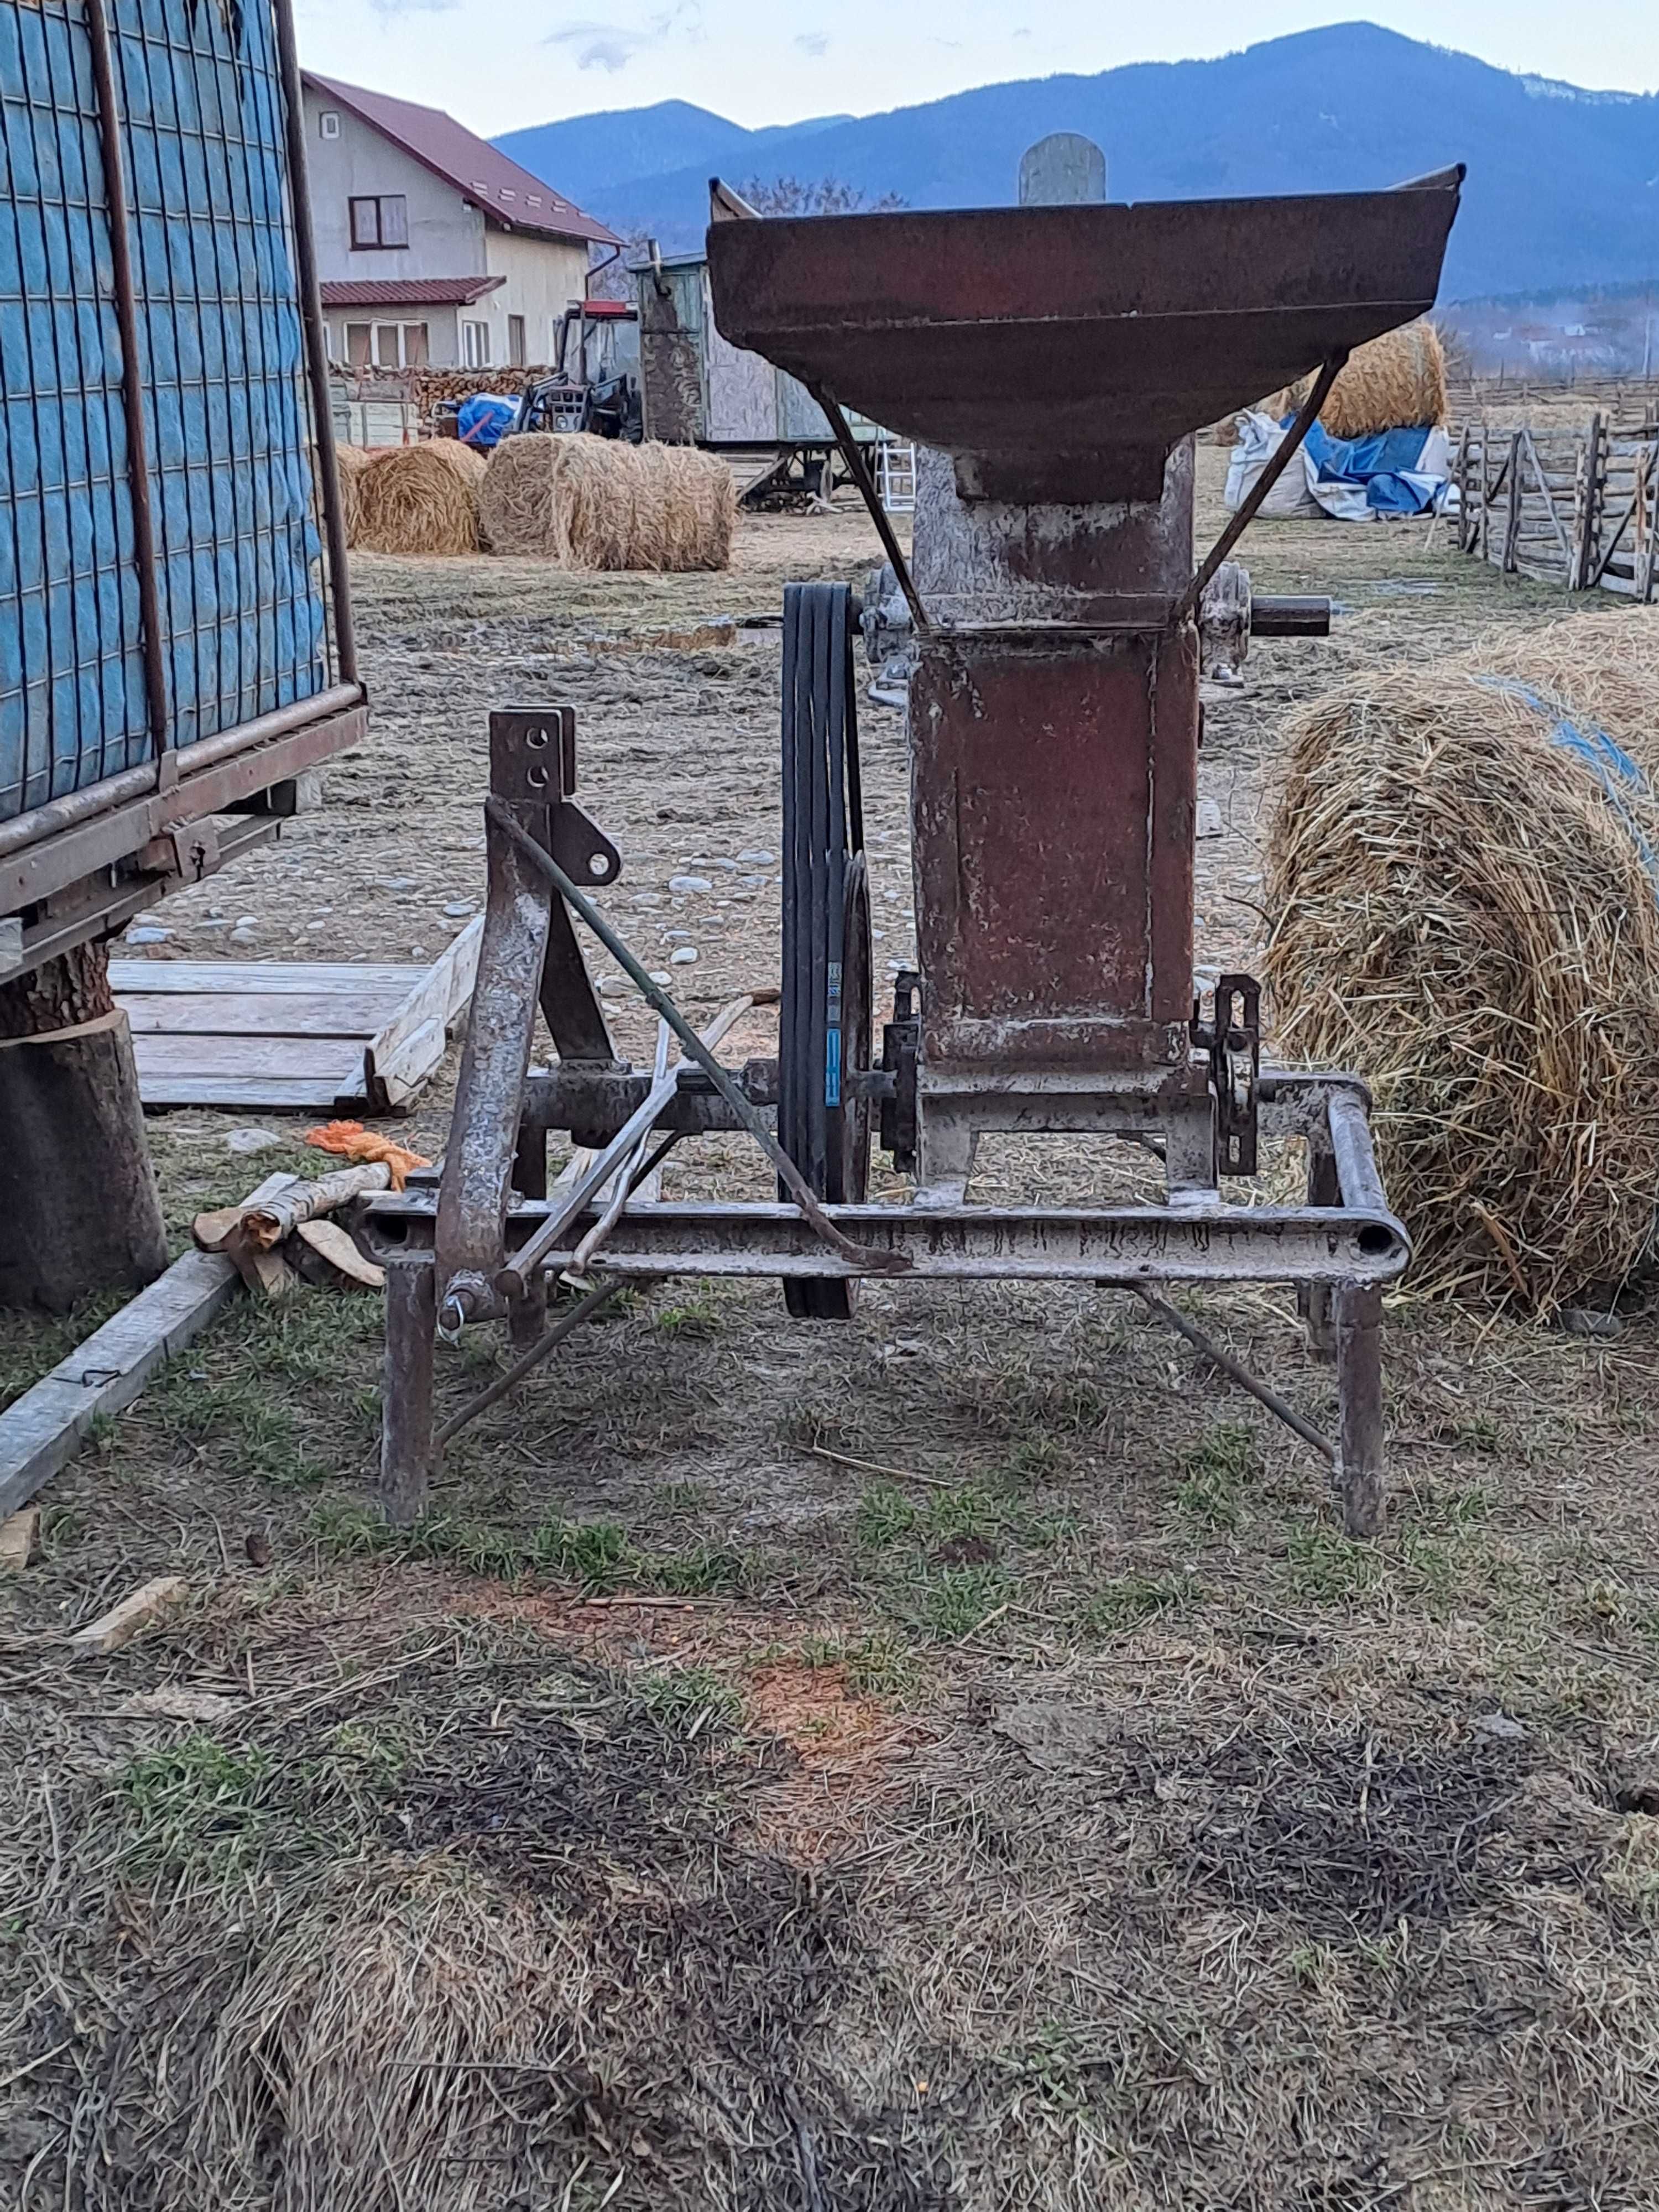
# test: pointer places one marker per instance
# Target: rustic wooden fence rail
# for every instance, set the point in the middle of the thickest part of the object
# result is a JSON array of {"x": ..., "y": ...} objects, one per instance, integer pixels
[{"x": 1573, "y": 507}]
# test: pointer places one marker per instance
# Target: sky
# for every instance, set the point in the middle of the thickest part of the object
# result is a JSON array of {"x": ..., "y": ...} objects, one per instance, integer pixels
[{"x": 499, "y": 64}]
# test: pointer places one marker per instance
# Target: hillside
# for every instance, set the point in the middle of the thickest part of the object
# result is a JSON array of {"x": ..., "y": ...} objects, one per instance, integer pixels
[{"x": 1563, "y": 183}]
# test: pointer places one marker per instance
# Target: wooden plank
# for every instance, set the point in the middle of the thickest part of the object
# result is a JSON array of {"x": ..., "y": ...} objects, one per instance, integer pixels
[
  {"x": 323, "y": 1058},
  {"x": 271, "y": 1014},
  {"x": 272, "y": 1094},
  {"x": 411, "y": 1044},
  {"x": 258, "y": 975},
  {"x": 43, "y": 1430}
]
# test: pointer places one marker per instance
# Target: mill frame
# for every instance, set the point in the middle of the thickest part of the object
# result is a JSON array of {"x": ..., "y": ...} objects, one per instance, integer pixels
[{"x": 1054, "y": 363}]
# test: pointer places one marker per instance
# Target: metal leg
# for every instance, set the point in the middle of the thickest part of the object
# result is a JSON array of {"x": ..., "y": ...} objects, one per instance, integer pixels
[
  {"x": 406, "y": 1449},
  {"x": 1313, "y": 1301},
  {"x": 945, "y": 1144},
  {"x": 1359, "y": 1399},
  {"x": 1189, "y": 1160},
  {"x": 526, "y": 1315}
]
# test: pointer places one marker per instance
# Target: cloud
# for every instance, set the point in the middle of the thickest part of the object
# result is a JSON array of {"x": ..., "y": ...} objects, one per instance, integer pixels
[
  {"x": 392, "y": 9},
  {"x": 611, "y": 46},
  {"x": 813, "y": 42}
]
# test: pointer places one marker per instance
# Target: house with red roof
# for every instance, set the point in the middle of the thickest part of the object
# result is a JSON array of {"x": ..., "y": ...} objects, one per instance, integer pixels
[{"x": 432, "y": 247}]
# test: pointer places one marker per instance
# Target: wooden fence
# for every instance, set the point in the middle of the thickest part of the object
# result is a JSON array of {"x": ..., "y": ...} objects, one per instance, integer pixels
[{"x": 1573, "y": 508}]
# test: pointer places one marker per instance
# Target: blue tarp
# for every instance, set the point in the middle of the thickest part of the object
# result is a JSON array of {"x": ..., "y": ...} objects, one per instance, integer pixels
[
  {"x": 484, "y": 419},
  {"x": 1380, "y": 463}
]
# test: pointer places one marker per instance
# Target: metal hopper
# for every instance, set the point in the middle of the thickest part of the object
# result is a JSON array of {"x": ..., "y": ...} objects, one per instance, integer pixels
[{"x": 1059, "y": 353}]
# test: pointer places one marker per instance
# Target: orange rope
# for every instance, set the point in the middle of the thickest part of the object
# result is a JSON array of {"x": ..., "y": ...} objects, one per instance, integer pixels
[{"x": 354, "y": 1142}]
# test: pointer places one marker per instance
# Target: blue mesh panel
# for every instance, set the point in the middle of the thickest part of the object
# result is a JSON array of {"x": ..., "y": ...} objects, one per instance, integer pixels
[{"x": 227, "y": 421}]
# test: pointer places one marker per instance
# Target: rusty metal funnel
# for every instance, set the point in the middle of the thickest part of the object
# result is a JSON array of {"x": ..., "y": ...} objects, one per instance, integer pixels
[{"x": 1058, "y": 353}]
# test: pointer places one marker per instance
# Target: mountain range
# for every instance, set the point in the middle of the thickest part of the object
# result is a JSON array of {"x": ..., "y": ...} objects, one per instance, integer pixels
[{"x": 1563, "y": 185}]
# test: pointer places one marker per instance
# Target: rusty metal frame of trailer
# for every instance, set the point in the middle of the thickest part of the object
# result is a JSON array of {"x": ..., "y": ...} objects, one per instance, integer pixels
[{"x": 79, "y": 866}]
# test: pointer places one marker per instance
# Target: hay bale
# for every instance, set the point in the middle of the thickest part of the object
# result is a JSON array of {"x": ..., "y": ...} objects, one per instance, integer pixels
[
  {"x": 1393, "y": 383},
  {"x": 421, "y": 499},
  {"x": 1468, "y": 913},
  {"x": 601, "y": 503},
  {"x": 351, "y": 461}
]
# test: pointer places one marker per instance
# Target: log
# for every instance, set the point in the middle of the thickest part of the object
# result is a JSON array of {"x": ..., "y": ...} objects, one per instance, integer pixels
[{"x": 79, "y": 1210}]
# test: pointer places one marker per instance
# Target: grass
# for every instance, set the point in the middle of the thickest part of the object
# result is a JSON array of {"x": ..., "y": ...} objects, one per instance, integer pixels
[
  {"x": 684, "y": 1699},
  {"x": 1128, "y": 1600},
  {"x": 1215, "y": 1472},
  {"x": 957, "y": 1601},
  {"x": 599, "y": 1557}
]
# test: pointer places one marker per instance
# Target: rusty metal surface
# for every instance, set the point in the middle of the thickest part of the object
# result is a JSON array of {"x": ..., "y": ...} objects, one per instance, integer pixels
[
  {"x": 670, "y": 355},
  {"x": 1054, "y": 784},
  {"x": 1116, "y": 1244},
  {"x": 1022, "y": 340},
  {"x": 993, "y": 560},
  {"x": 526, "y": 759}
]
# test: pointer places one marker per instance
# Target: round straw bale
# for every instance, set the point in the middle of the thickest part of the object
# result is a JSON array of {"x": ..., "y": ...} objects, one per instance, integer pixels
[
  {"x": 1465, "y": 871},
  {"x": 421, "y": 499},
  {"x": 1393, "y": 383},
  {"x": 351, "y": 461},
  {"x": 601, "y": 503}
]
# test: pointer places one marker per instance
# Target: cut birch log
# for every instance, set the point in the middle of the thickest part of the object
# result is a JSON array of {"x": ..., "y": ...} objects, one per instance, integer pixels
[
  {"x": 268, "y": 1221},
  {"x": 267, "y": 1224}
]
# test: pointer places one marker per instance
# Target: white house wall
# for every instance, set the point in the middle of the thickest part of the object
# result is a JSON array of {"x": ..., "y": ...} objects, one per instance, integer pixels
[
  {"x": 543, "y": 276},
  {"x": 446, "y": 235}
]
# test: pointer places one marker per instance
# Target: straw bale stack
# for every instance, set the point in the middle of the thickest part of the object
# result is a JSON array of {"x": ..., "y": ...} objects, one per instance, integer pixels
[
  {"x": 1394, "y": 383},
  {"x": 1465, "y": 870},
  {"x": 421, "y": 499},
  {"x": 601, "y": 503}
]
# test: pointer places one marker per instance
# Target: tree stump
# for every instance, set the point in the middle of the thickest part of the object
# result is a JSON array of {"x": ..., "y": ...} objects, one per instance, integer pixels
[{"x": 78, "y": 1204}]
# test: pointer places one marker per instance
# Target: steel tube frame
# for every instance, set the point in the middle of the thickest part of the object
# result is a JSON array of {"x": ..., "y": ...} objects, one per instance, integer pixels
[{"x": 1121, "y": 1245}]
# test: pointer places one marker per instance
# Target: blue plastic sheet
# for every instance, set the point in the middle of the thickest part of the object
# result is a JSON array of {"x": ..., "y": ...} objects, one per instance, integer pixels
[
  {"x": 485, "y": 419},
  {"x": 227, "y": 420},
  {"x": 1380, "y": 463}
]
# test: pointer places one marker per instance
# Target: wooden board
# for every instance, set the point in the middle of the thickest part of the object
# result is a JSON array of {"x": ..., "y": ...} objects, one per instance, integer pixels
[
  {"x": 43, "y": 1430},
  {"x": 305, "y": 1036}
]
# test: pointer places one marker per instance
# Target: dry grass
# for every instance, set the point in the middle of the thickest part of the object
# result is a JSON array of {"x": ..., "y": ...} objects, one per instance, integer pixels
[
  {"x": 421, "y": 499},
  {"x": 601, "y": 503},
  {"x": 1396, "y": 381},
  {"x": 1466, "y": 915}
]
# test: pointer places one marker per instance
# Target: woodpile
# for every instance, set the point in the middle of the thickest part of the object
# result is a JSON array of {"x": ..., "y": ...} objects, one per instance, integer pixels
[
  {"x": 430, "y": 388},
  {"x": 1464, "y": 879},
  {"x": 421, "y": 499},
  {"x": 601, "y": 503}
]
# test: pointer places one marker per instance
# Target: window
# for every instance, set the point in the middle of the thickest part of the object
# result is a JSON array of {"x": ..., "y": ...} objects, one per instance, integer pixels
[
  {"x": 515, "y": 340},
  {"x": 328, "y": 124},
  {"x": 386, "y": 345},
  {"x": 383, "y": 222},
  {"x": 475, "y": 345}
]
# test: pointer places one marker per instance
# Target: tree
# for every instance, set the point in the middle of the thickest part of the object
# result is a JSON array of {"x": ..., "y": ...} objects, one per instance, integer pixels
[{"x": 827, "y": 196}]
